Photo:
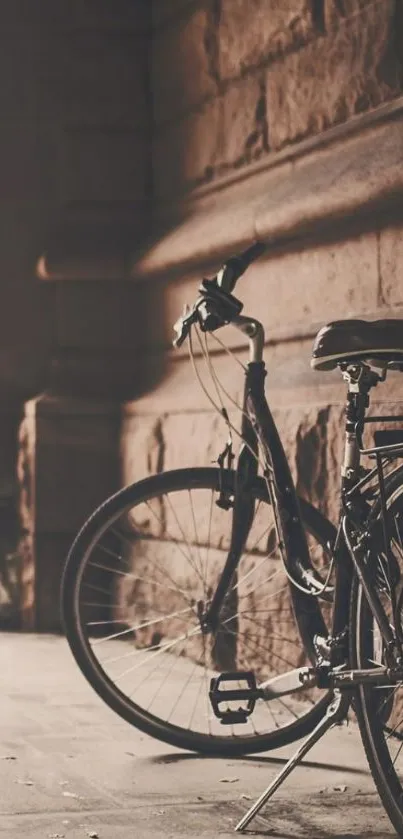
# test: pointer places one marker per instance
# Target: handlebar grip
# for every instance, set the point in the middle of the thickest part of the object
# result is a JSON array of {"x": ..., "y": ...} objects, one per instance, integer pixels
[{"x": 233, "y": 269}]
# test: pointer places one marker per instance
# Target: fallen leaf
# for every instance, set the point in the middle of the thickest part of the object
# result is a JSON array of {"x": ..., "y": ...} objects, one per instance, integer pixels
[
  {"x": 93, "y": 834},
  {"x": 228, "y": 780},
  {"x": 246, "y": 797},
  {"x": 340, "y": 788},
  {"x": 158, "y": 813}
]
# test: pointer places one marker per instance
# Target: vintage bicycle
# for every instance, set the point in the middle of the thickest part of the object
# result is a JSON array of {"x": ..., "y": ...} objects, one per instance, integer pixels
[{"x": 215, "y": 610}]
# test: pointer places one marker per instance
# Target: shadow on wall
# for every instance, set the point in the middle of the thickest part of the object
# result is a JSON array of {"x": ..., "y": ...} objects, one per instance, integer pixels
[{"x": 113, "y": 321}]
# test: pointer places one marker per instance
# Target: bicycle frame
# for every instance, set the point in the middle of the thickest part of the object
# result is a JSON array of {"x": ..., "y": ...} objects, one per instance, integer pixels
[
  {"x": 357, "y": 517},
  {"x": 258, "y": 427},
  {"x": 350, "y": 550},
  {"x": 332, "y": 655}
]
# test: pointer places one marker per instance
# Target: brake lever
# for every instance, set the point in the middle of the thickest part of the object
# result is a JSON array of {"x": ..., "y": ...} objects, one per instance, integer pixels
[
  {"x": 220, "y": 307},
  {"x": 215, "y": 308},
  {"x": 183, "y": 325}
]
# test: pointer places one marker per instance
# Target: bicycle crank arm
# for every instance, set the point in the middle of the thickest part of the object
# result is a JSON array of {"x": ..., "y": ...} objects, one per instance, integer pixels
[
  {"x": 381, "y": 676},
  {"x": 291, "y": 682},
  {"x": 248, "y": 691}
]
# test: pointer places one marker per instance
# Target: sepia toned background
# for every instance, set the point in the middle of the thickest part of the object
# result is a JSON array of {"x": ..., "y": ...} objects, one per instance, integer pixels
[{"x": 142, "y": 142}]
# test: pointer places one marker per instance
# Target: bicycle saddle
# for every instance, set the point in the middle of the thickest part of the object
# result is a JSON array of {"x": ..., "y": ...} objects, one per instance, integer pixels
[{"x": 343, "y": 340}]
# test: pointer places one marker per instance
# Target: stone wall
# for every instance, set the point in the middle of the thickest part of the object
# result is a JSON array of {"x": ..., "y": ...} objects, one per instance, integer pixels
[
  {"x": 240, "y": 87},
  {"x": 242, "y": 120},
  {"x": 234, "y": 80},
  {"x": 174, "y": 425},
  {"x": 266, "y": 126}
]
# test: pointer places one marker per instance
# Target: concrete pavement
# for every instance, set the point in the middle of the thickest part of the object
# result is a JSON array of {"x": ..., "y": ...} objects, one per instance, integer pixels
[{"x": 69, "y": 767}]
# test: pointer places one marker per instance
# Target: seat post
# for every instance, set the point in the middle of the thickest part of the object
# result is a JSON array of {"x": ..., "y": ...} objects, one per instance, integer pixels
[{"x": 360, "y": 379}]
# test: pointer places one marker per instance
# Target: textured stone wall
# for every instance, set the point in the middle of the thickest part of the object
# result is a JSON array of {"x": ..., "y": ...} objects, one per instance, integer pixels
[
  {"x": 127, "y": 113},
  {"x": 173, "y": 425},
  {"x": 234, "y": 80}
]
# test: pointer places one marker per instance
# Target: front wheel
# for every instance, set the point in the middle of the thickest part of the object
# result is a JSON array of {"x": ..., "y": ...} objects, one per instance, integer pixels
[{"x": 137, "y": 580}]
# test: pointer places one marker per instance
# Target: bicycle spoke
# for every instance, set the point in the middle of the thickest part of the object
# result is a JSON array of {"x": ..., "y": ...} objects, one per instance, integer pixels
[
  {"x": 145, "y": 581},
  {"x": 159, "y": 650},
  {"x": 257, "y": 645},
  {"x": 138, "y": 578},
  {"x": 252, "y": 570},
  {"x": 96, "y": 588},
  {"x": 182, "y": 692},
  {"x": 193, "y": 564},
  {"x": 162, "y": 571},
  {"x": 398, "y": 753},
  {"x": 206, "y": 683},
  {"x": 168, "y": 673},
  {"x": 196, "y": 538}
]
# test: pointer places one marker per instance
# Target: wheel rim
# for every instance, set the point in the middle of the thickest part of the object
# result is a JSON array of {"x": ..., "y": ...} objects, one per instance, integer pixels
[
  {"x": 382, "y": 708},
  {"x": 136, "y": 598}
]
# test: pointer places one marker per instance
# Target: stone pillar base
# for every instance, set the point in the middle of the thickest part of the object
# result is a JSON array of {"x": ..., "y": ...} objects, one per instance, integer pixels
[{"x": 68, "y": 464}]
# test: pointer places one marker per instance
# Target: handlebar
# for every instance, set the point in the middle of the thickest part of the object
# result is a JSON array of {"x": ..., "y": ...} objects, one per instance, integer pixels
[
  {"x": 216, "y": 306},
  {"x": 233, "y": 269}
]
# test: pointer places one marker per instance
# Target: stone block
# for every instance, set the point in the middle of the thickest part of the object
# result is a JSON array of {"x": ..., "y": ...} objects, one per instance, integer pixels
[
  {"x": 19, "y": 88},
  {"x": 181, "y": 66},
  {"x": 391, "y": 265},
  {"x": 249, "y": 33},
  {"x": 96, "y": 315},
  {"x": 314, "y": 285},
  {"x": 223, "y": 133},
  {"x": 349, "y": 71},
  {"x": 105, "y": 164},
  {"x": 186, "y": 152},
  {"x": 68, "y": 465},
  {"x": 51, "y": 551},
  {"x": 194, "y": 439},
  {"x": 29, "y": 160},
  {"x": 90, "y": 13},
  {"x": 244, "y": 127},
  {"x": 166, "y": 11},
  {"x": 70, "y": 461},
  {"x": 142, "y": 447},
  {"x": 92, "y": 76},
  {"x": 338, "y": 12}
]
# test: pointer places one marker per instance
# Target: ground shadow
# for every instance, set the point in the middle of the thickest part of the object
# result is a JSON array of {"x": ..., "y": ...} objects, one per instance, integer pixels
[
  {"x": 274, "y": 834},
  {"x": 269, "y": 761}
]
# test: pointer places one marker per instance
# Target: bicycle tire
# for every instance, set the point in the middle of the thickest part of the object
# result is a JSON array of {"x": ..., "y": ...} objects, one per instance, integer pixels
[
  {"x": 377, "y": 709},
  {"x": 103, "y": 522}
]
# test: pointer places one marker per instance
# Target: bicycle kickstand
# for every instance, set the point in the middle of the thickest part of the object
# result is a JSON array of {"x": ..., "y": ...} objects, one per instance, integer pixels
[{"x": 336, "y": 712}]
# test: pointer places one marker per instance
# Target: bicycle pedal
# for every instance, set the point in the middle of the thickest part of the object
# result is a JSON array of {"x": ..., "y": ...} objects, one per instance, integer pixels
[{"x": 250, "y": 693}]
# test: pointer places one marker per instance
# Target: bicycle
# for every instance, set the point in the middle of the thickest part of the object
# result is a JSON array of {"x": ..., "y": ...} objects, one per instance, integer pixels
[{"x": 339, "y": 592}]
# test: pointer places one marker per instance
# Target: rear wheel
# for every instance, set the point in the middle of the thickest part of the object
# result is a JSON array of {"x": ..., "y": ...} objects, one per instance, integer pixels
[
  {"x": 379, "y": 710},
  {"x": 137, "y": 579}
]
